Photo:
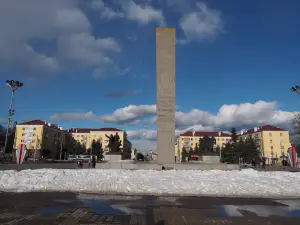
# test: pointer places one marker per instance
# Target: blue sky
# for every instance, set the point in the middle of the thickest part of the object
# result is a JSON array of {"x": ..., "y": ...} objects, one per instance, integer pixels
[{"x": 92, "y": 63}]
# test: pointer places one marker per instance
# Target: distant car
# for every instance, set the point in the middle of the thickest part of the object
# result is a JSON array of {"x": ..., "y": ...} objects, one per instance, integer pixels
[
  {"x": 84, "y": 158},
  {"x": 140, "y": 157}
]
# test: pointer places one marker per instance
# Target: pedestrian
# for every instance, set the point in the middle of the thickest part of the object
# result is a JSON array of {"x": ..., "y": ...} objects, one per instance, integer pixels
[
  {"x": 90, "y": 161},
  {"x": 93, "y": 161},
  {"x": 263, "y": 162},
  {"x": 253, "y": 162}
]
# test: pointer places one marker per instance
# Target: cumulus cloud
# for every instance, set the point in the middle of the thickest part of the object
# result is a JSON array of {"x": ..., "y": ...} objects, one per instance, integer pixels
[
  {"x": 237, "y": 115},
  {"x": 59, "y": 23},
  {"x": 124, "y": 115},
  {"x": 129, "y": 113},
  {"x": 142, "y": 13},
  {"x": 3, "y": 120},
  {"x": 105, "y": 11},
  {"x": 200, "y": 24},
  {"x": 241, "y": 116}
]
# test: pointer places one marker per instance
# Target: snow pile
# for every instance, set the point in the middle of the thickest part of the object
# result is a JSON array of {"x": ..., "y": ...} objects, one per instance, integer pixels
[{"x": 247, "y": 183}]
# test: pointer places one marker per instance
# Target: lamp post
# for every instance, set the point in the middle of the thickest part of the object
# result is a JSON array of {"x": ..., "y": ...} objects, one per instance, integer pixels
[
  {"x": 296, "y": 89},
  {"x": 13, "y": 86}
]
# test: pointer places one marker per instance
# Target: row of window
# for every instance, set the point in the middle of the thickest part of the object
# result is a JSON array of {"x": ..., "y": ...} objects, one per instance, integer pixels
[
  {"x": 281, "y": 147},
  {"x": 25, "y": 128},
  {"x": 217, "y": 139}
]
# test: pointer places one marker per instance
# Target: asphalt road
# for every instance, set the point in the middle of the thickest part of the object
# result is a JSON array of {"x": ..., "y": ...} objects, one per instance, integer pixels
[{"x": 71, "y": 208}]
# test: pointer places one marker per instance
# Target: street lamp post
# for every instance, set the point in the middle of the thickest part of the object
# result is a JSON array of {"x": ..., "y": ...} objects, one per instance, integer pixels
[
  {"x": 296, "y": 89},
  {"x": 13, "y": 85}
]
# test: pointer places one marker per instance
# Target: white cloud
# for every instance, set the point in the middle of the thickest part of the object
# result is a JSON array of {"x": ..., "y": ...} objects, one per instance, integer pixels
[
  {"x": 126, "y": 115},
  {"x": 238, "y": 115},
  {"x": 105, "y": 11},
  {"x": 72, "y": 116},
  {"x": 244, "y": 115},
  {"x": 60, "y": 22},
  {"x": 129, "y": 113},
  {"x": 202, "y": 23},
  {"x": 143, "y": 14},
  {"x": 3, "y": 120}
]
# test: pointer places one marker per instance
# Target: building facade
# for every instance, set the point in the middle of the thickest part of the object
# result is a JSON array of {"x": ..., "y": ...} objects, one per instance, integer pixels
[
  {"x": 86, "y": 136},
  {"x": 272, "y": 141},
  {"x": 189, "y": 139},
  {"x": 40, "y": 137}
]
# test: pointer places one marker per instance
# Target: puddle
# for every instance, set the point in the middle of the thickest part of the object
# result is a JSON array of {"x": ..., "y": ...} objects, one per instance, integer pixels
[
  {"x": 63, "y": 201},
  {"x": 50, "y": 210},
  {"x": 101, "y": 207},
  {"x": 226, "y": 211},
  {"x": 108, "y": 205}
]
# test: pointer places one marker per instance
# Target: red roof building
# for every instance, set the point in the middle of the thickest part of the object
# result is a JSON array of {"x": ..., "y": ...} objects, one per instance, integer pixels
[{"x": 204, "y": 133}]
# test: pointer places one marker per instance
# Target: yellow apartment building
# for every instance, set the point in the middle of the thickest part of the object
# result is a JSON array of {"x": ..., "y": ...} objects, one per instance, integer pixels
[
  {"x": 273, "y": 141},
  {"x": 85, "y": 136},
  {"x": 40, "y": 137},
  {"x": 189, "y": 140}
]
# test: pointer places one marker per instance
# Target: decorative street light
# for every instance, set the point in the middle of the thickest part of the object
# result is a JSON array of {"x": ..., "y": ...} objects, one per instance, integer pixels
[
  {"x": 296, "y": 89},
  {"x": 13, "y": 85}
]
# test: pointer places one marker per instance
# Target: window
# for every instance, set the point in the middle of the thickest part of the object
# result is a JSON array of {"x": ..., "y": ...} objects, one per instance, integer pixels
[
  {"x": 23, "y": 134},
  {"x": 271, "y": 141},
  {"x": 272, "y": 147},
  {"x": 282, "y": 147},
  {"x": 281, "y": 134},
  {"x": 33, "y": 141},
  {"x": 34, "y": 128},
  {"x": 270, "y": 134},
  {"x": 222, "y": 139},
  {"x": 23, "y": 129}
]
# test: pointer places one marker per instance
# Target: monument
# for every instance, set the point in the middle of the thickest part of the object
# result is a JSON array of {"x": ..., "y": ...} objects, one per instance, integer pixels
[
  {"x": 165, "y": 94},
  {"x": 114, "y": 144}
]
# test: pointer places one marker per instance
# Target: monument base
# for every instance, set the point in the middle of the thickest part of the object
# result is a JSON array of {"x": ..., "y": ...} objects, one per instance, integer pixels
[
  {"x": 112, "y": 157},
  {"x": 210, "y": 158},
  {"x": 131, "y": 165}
]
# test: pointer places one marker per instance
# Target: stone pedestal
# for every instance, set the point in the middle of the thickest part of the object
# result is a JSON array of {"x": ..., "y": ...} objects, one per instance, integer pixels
[
  {"x": 112, "y": 157},
  {"x": 210, "y": 158}
]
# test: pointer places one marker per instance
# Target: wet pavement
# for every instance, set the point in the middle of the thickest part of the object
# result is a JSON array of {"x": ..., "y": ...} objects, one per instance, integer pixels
[{"x": 70, "y": 208}]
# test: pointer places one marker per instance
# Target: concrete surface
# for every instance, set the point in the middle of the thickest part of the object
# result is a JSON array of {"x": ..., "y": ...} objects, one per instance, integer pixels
[
  {"x": 129, "y": 166},
  {"x": 202, "y": 166},
  {"x": 177, "y": 166},
  {"x": 210, "y": 158},
  {"x": 112, "y": 157},
  {"x": 165, "y": 94},
  {"x": 71, "y": 208},
  {"x": 27, "y": 166}
]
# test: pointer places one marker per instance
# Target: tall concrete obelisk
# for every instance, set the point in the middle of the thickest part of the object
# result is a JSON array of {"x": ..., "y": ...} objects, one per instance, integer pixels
[{"x": 165, "y": 94}]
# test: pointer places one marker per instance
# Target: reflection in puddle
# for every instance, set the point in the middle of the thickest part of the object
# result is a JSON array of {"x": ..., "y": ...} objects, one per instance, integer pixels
[
  {"x": 63, "y": 201},
  {"x": 50, "y": 210},
  {"x": 98, "y": 205},
  {"x": 226, "y": 211}
]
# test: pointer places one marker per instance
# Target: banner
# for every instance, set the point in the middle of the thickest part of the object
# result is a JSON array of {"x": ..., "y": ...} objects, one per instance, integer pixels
[
  {"x": 21, "y": 153},
  {"x": 292, "y": 155},
  {"x": 28, "y": 136}
]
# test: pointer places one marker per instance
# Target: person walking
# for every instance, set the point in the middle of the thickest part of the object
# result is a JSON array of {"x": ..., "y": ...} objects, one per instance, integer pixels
[
  {"x": 94, "y": 161},
  {"x": 263, "y": 162}
]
